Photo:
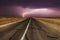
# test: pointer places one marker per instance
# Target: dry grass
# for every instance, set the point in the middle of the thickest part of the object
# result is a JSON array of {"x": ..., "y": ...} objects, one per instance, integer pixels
[
  {"x": 5, "y": 20},
  {"x": 53, "y": 23}
]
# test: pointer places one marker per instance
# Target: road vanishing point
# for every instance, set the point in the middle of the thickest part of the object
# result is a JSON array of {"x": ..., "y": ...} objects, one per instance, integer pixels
[{"x": 29, "y": 29}]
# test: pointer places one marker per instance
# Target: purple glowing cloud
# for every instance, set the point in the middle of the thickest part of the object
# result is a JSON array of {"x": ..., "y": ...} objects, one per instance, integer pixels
[
  {"x": 40, "y": 12},
  {"x": 33, "y": 12}
]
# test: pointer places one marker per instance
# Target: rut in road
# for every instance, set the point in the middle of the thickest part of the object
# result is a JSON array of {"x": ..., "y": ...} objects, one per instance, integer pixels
[
  {"x": 10, "y": 32},
  {"x": 36, "y": 31}
]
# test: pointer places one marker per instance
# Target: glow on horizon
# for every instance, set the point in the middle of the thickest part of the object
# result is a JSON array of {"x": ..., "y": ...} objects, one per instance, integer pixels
[{"x": 34, "y": 11}]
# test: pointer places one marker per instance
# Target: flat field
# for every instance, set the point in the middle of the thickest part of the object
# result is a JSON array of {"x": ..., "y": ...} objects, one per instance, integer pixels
[
  {"x": 53, "y": 23},
  {"x": 5, "y": 20}
]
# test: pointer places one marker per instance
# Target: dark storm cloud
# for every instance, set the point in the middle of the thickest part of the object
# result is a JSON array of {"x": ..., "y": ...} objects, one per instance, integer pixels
[
  {"x": 7, "y": 7},
  {"x": 8, "y": 11},
  {"x": 34, "y": 3}
]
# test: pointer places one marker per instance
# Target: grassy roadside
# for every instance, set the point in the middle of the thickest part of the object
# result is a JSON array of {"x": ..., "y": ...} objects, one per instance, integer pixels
[
  {"x": 5, "y": 20},
  {"x": 53, "y": 23}
]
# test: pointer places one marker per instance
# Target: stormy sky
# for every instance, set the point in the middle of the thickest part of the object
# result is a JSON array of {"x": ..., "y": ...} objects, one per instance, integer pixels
[{"x": 19, "y": 7}]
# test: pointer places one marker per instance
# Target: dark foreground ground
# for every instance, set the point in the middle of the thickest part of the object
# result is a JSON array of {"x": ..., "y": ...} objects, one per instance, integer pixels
[{"x": 36, "y": 31}]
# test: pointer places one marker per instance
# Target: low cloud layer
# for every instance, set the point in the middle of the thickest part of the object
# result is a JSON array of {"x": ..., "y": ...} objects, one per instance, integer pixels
[{"x": 19, "y": 11}]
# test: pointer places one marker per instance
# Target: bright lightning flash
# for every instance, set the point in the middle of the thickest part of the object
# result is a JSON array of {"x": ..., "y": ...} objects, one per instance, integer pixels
[{"x": 33, "y": 11}]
